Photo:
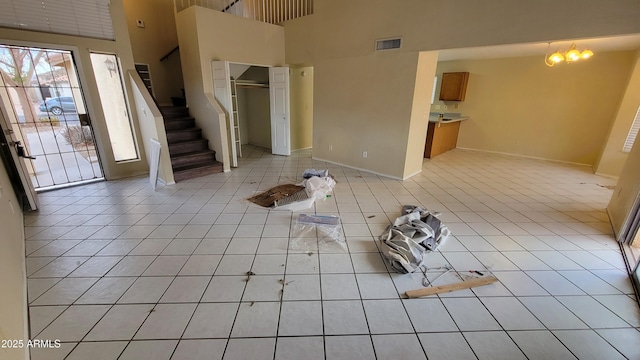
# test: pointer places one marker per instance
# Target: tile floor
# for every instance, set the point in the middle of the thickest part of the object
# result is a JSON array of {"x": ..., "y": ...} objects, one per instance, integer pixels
[{"x": 118, "y": 271}]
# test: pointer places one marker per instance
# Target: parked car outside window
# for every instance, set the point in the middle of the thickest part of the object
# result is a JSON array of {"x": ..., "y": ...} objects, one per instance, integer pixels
[{"x": 58, "y": 105}]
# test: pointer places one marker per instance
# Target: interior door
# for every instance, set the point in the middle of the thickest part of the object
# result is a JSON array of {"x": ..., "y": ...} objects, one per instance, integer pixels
[
  {"x": 280, "y": 113},
  {"x": 222, "y": 92},
  {"x": 10, "y": 142}
]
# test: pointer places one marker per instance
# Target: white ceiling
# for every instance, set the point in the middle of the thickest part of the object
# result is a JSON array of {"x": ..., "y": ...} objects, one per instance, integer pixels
[{"x": 627, "y": 42}]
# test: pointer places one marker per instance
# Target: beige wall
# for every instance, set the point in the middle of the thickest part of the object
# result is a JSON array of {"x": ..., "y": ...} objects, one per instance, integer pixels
[
  {"x": 348, "y": 28},
  {"x": 242, "y": 114},
  {"x": 81, "y": 47},
  {"x": 627, "y": 190},
  {"x": 613, "y": 159},
  {"x": 258, "y": 117},
  {"x": 364, "y": 104},
  {"x": 205, "y": 35},
  {"x": 13, "y": 297},
  {"x": 338, "y": 40},
  {"x": 420, "y": 113},
  {"x": 301, "y": 107},
  {"x": 154, "y": 41},
  {"x": 520, "y": 106},
  {"x": 231, "y": 38}
]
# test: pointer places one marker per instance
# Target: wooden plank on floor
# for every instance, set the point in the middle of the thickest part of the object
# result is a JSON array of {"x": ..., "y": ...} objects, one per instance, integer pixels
[{"x": 451, "y": 287}]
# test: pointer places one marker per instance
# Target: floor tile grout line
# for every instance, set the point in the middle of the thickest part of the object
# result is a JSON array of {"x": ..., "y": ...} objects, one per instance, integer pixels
[{"x": 527, "y": 249}]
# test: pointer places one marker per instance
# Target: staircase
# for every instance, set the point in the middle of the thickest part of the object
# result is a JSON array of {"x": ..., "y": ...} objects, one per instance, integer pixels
[{"x": 189, "y": 151}]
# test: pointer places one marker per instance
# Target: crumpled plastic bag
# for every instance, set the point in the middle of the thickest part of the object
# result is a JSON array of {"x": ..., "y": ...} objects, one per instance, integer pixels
[
  {"x": 406, "y": 242},
  {"x": 319, "y": 187},
  {"x": 317, "y": 233}
]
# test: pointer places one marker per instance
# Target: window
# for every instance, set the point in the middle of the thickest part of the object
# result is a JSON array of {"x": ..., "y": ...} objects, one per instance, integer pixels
[
  {"x": 633, "y": 132},
  {"x": 433, "y": 91},
  {"x": 106, "y": 69},
  {"x": 89, "y": 18}
]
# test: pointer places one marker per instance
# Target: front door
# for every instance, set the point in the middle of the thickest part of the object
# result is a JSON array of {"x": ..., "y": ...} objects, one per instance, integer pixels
[
  {"x": 45, "y": 115},
  {"x": 280, "y": 113},
  {"x": 16, "y": 166}
]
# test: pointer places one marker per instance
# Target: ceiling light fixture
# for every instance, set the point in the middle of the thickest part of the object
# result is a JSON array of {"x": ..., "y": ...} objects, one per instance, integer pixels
[{"x": 571, "y": 55}]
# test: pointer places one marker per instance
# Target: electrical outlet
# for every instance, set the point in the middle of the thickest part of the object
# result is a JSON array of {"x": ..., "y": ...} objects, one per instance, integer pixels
[
  {"x": 330, "y": 147},
  {"x": 437, "y": 107},
  {"x": 364, "y": 154}
]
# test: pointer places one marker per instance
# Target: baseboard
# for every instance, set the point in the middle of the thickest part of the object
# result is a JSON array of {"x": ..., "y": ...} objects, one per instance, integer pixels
[
  {"x": 357, "y": 168},
  {"x": 412, "y": 175},
  {"x": 526, "y": 157},
  {"x": 607, "y": 176}
]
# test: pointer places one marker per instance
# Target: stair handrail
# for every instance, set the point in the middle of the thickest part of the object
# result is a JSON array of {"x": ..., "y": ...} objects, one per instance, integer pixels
[
  {"x": 169, "y": 53},
  {"x": 151, "y": 124}
]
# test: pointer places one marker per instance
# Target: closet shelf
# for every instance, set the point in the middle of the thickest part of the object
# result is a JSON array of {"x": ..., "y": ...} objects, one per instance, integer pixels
[{"x": 249, "y": 83}]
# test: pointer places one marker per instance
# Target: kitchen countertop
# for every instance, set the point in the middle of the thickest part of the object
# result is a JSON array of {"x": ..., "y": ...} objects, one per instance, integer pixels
[{"x": 434, "y": 117}]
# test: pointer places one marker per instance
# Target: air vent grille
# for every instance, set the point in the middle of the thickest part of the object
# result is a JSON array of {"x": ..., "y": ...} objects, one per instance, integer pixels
[{"x": 388, "y": 44}]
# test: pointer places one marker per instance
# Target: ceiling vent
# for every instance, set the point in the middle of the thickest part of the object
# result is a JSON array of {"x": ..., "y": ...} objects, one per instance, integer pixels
[{"x": 388, "y": 44}]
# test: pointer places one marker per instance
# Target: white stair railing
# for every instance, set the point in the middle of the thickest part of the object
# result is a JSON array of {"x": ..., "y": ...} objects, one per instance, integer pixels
[{"x": 269, "y": 11}]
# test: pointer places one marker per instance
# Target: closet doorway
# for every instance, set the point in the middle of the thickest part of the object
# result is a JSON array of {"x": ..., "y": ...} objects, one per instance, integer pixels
[{"x": 256, "y": 99}]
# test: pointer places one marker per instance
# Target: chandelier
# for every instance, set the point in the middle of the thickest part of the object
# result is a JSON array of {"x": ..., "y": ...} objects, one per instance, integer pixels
[{"x": 569, "y": 56}]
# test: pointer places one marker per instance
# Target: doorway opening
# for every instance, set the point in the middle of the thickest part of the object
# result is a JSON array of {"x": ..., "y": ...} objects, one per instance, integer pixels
[
  {"x": 46, "y": 116},
  {"x": 250, "y": 91},
  {"x": 226, "y": 86}
]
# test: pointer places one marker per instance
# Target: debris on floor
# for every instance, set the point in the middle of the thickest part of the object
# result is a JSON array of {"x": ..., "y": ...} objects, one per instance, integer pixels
[
  {"x": 467, "y": 284},
  {"x": 297, "y": 197},
  {"x": 411, "y": 236},
  {"x": 313, "y": 172},
  {"x": 269, "y": 197},
  {"x": 317, "y": 231}
]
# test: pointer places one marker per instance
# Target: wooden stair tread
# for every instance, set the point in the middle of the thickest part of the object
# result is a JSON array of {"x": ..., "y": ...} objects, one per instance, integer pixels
[
  {"x": 187, "y": 141},
  {"x": 184, "y": 130},
  {"x": 188, "y": 150},
  {"x": 181, "y": 118},
  {"x": 198, "y": 165},
  {"x": 193, "y": 153}
]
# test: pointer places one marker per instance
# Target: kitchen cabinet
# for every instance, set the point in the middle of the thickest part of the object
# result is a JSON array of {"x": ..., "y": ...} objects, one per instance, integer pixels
[
  {"x": 454, "y": 86},
  {"x": 441, "y": 137}
]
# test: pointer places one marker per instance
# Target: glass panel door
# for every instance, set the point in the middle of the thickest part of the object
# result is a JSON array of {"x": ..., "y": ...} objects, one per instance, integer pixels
[
  {"x": 109, "y": 80},
  {"x": 41, "y": 93}
]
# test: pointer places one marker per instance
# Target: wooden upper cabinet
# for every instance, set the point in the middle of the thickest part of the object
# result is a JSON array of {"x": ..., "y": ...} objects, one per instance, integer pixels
[{"x": 454, "y": 86}]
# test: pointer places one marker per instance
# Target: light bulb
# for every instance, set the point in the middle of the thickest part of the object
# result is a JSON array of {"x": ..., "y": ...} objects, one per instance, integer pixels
[
  {"x": 586, "y": 54},
  {"x": 572, "y": 55},
  {"x": 556, "y": 57}
]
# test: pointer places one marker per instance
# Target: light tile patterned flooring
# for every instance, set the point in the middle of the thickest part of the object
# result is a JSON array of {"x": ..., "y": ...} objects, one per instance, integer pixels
[{"x": 116, "y": 270}]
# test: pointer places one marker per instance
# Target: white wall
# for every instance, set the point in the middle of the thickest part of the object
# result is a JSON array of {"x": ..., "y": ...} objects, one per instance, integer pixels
[
  {"x": 205, "y": 35},
  {"x": 13, "y": 297},
  {"x": 151, "y": 127}
]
